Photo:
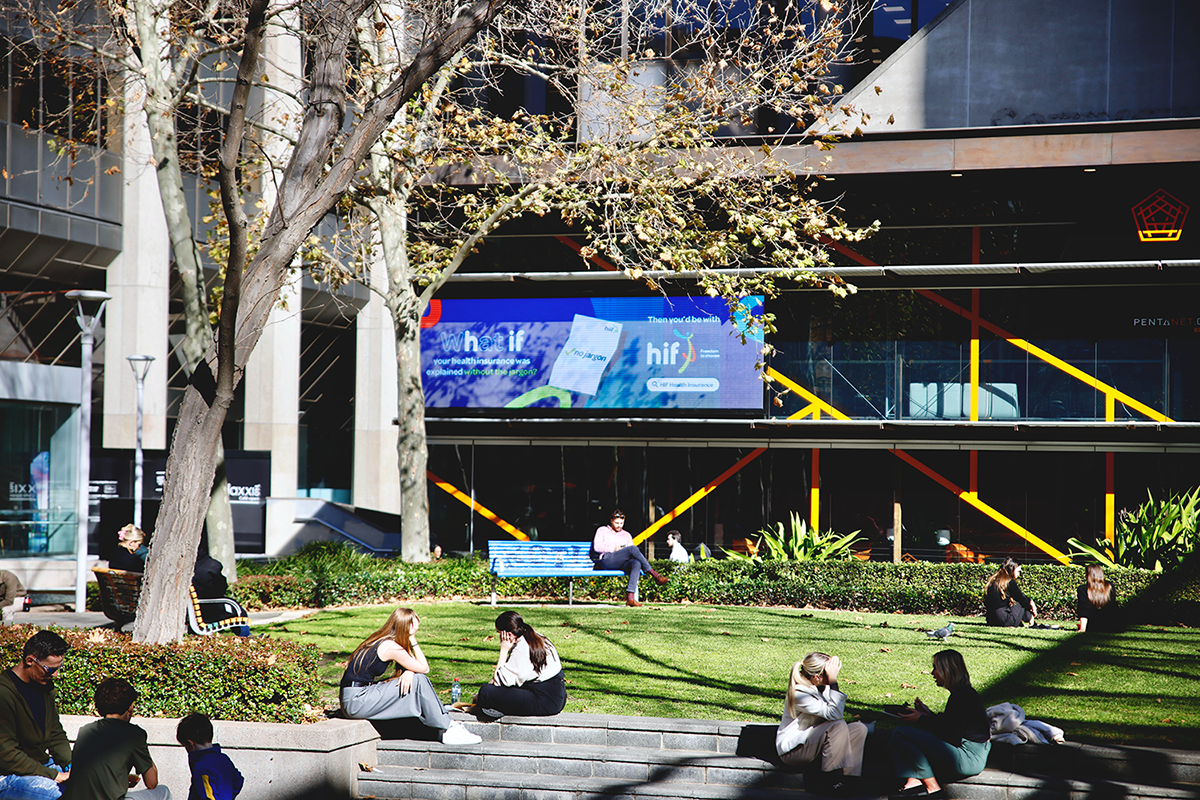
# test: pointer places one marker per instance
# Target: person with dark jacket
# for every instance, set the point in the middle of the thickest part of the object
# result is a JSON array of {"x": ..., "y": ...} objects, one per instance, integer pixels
[
  {"x": 1006, "y": 605},
  {"x": 208, "y": 579},
  {"x": 214, "y": 777},
  {"x": 948, "y": 746},
  {"x": 131, "y": 550},
  {"x": 1096, "y": 602},
  {"x": 35, "y": 755}
]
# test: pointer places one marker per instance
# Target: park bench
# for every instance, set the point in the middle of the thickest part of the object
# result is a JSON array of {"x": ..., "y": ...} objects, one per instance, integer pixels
[
  {"x": 120, "y": 590},
  {"x": 570, "y": 560}
]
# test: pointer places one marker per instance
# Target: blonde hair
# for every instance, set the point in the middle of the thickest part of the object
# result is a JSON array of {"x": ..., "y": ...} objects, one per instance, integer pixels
[
  {"x": 133, "y": 533},
  {"x": 1099, "y": 591},
  {"x": 953, "y": 668},
  {"x": 803, "y": 673},
  {"x": 398, "y": 628}
]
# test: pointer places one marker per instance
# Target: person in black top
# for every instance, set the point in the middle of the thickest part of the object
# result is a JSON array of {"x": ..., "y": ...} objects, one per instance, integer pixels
[
  {"x": 131, "y": 550},
  {"x": 952, "y": 745},
  {"x": 1097, "y": 602},
  {"x": 406, "y": 695},
  {"x": 1005, "y": 603}
]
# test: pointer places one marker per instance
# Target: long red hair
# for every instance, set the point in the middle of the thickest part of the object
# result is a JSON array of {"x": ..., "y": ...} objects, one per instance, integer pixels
[{"x": 398, "y": 628}]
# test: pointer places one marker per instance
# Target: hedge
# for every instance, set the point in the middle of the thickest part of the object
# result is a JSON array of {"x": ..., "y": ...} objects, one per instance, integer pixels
[
  {"x": 226, "y": 677},
  {"x": 912, "y": 588}
]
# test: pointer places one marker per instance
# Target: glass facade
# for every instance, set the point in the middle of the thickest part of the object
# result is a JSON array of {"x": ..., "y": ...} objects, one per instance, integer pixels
[{"x": 39, "y": 469}]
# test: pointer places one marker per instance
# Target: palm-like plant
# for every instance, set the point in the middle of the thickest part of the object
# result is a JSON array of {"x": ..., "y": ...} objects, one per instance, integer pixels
[
  {"x": 1156, "y": 536},
  {"x": 799, "y": 543}
]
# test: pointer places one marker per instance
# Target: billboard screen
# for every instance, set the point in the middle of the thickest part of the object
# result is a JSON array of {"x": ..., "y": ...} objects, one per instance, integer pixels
[{"x": 666, "y": 353}]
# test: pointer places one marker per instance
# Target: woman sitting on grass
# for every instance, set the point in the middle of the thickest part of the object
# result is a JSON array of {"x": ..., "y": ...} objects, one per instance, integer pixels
[
  {"x": 408, "y": 694},
  {"x": 528, "y": 680},
  {"x": 952, "y": 745},
  {"x": 813, "y": 732},
  {"x": 1097, "y": 602},
  {"x": 1005, "y": 603}
]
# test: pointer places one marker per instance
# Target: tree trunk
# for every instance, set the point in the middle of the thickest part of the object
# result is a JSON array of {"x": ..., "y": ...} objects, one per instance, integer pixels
[
  {"x": 309, "y": 188},
  {"x": 160, "y": 116},
  {"x": 219, "y": 521}
]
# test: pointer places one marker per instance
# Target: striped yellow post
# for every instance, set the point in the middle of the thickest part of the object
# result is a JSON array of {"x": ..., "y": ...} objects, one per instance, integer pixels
[{"x": 814, "y": 496}]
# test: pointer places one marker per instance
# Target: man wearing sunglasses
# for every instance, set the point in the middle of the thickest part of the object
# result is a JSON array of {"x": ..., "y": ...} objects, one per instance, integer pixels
[{"x": 35, "y": 755}]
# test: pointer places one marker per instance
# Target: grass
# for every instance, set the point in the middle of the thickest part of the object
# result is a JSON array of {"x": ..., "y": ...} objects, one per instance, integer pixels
[{"x": 705, "y": 662}]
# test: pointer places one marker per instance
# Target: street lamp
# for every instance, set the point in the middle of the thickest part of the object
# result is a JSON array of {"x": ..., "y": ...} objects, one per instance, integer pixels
[
  {"x": 87, "y": 325},
  {"x": 140, "y": 365}
]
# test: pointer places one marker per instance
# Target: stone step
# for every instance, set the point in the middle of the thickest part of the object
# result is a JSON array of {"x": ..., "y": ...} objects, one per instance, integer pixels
[
  {"x": 582, "y": 756},
  {"x": 644, "y": 765}
]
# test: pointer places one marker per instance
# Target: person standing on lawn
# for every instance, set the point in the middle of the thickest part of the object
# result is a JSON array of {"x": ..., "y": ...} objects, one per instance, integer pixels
[
  {"x": 408, "y": 694},
  {"x": 613, "y": 548},
  {"x": 813, "y": 731},
  {"x": 35, "y": 756},
  {"x": 948, "y": 746},
  {"x": 528, "y": 680}
]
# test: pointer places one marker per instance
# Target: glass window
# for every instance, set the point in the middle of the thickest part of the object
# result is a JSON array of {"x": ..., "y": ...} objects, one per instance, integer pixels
[{"x": 38, "y": 476}]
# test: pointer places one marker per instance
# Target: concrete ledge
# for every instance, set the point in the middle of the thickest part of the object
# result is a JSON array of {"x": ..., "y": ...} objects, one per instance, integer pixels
[{"x": 279, "y": 761}]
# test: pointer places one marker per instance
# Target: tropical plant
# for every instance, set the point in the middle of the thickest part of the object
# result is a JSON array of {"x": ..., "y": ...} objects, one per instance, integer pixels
[
  {"x": 1156, "y": 536},
  {"x": 800, "y": 543}
]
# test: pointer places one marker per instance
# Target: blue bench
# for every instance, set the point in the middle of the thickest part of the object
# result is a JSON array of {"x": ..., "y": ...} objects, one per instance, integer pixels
[{"x": 510, "y": 558}]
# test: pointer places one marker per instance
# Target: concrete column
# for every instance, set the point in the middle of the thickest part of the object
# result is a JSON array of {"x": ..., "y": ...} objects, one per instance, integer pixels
[
  {"x": 376, "y": 480},
  {"x": 139, "y": 279},
  {"x": 272, "y": 378}
]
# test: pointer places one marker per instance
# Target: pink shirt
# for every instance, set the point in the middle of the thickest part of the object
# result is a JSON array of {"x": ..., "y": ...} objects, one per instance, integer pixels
[{"x": 609, "y": 541}]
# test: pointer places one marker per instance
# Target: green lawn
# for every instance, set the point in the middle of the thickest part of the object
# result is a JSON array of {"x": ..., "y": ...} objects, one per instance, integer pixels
[{"x": 696, "y": 661}]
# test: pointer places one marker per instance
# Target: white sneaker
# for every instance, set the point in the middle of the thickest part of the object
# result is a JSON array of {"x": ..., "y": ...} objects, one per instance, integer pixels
[{"x": 457, "y": 734}]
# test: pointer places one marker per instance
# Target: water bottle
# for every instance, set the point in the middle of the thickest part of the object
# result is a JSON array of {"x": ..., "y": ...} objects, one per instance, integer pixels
[{"x": 455, "y": 692}]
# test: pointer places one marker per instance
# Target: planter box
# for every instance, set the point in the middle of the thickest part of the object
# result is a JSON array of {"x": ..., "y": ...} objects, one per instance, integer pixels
[{"x": 277, "y": 760}]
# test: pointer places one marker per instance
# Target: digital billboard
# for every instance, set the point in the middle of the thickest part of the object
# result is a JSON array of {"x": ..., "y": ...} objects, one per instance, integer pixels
[{"x": 667, "y": 353}]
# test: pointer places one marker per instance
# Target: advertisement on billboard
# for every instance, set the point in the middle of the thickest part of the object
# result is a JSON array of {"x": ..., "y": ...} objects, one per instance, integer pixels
[{"x": 659, "y": 353}]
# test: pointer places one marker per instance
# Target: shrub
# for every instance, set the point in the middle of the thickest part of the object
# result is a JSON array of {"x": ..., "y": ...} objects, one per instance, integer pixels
[
  {"x": 226, "y": 677},
  {"x": 800, "y": 543},
  {"x": 913, "y": 588},
  {"x": 1155, "y": 536}
]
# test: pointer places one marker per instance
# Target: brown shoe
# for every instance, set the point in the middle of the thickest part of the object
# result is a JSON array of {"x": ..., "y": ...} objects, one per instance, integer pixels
[
  {"x": 630, "y": 600},
  {"x": 659, "y": 579}
]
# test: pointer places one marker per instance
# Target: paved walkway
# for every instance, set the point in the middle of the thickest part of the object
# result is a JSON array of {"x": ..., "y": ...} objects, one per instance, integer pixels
[{"x": 60, "y": 616}]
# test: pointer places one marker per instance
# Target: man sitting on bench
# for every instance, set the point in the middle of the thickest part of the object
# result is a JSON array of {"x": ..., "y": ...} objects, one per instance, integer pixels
[{"x": 613, "y": 548}]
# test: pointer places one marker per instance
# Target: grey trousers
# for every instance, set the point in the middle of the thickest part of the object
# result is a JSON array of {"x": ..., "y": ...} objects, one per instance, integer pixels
[
  {"x": 382, "y": 700},
  {"x": 840, "y": 746}
]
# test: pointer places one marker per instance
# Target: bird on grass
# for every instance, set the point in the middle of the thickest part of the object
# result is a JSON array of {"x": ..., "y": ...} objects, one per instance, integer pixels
[{"x": 942, "y": 634}]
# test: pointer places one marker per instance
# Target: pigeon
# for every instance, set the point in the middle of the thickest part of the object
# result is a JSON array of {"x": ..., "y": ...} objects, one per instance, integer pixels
[{"x": 941, "y": 634}]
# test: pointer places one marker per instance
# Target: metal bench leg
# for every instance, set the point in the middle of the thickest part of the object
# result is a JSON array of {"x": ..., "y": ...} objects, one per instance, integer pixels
[
  {"x": 493, "y": 591},
  {"x": 570, "y": 591}
]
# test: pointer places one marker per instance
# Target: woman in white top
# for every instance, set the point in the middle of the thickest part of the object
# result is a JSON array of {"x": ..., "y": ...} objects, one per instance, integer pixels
[
  {"x": 813, "y": 731},
  {"x": 528, "y": 680}
]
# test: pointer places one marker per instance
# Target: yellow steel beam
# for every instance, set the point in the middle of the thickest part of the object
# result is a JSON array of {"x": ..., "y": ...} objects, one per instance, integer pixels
[
  {"x": 466, "y": 500},
  {"x": 1052, "y": 360},
  {"x": 697, "y": 496},
  {"x": 972, "y": 499}
]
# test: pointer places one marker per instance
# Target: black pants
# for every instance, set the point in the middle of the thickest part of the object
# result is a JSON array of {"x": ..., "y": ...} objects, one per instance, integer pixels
[{"x": 540, "y": 699}]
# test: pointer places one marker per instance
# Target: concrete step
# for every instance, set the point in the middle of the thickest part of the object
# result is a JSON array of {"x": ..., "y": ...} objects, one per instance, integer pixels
[{"x": 582, "y": 756}]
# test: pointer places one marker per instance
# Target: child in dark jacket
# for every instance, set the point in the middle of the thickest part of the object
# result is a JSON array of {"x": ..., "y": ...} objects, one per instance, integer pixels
[{"x": 214, "y": 777}]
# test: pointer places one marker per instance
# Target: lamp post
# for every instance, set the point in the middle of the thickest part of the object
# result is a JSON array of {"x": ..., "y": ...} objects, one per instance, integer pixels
[
  {"x": 87, "y": 325},
  {"x": 140, "y": 366}
]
